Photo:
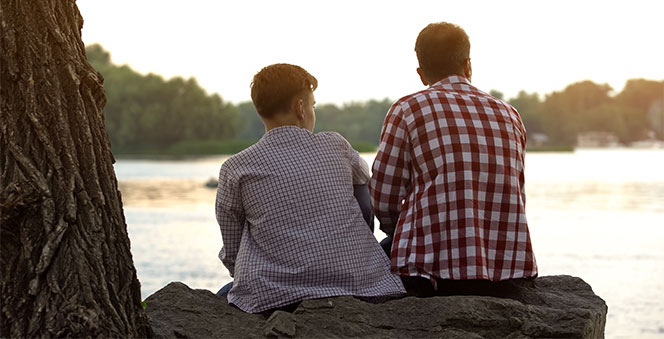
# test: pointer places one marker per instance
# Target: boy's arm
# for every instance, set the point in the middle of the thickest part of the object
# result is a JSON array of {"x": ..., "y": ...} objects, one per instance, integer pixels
[
  {"x": 230, "y": 216},
  {"x": 360, "y": 176},
  {"x": 360, "y": 167},
  {"x": 390, "y": 179}
]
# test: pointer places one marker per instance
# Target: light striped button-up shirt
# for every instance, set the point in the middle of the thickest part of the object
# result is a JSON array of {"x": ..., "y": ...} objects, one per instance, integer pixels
[
  {"x": 448, "y": 180},
  {"x": 291, "y": 227}
]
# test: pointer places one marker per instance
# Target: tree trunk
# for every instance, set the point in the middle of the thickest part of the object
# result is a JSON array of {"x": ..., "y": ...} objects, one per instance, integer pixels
[{"x": 67, "y": 269}]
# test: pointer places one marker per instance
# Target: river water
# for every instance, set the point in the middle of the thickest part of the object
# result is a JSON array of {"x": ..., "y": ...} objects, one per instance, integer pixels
[{"x": 594, "y": 213}]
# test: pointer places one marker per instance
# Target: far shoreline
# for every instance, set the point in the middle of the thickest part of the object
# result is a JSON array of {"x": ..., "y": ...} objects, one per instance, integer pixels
[{"x": 164, "y": 154}]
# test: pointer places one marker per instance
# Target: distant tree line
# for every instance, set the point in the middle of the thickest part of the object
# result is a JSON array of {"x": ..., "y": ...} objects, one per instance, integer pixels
[
  {"x": 636, "y": 113},
  {"x": 359, "y": 122},
  {"x": 146, "y": 113},
  {"x": 149, "y": 114}
]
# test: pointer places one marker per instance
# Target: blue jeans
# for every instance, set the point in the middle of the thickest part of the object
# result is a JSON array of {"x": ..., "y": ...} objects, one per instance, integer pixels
[
  {"x": 224, "y": 290},
  {"x": 361, "y": 193}
]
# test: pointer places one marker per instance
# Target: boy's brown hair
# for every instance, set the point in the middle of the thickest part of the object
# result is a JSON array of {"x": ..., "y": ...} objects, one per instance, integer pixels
[
  {"x": 274, "y": 87},
  {"x": 442, "y": 50}
]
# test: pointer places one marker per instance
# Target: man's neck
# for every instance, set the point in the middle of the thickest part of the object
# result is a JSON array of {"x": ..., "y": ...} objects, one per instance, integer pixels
[{"x": 458, "y": 75}]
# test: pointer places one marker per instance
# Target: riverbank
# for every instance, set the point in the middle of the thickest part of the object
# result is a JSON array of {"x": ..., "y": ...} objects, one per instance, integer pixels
[
  {"x": 549, "y": 148},
  {"x": 183, "y": 150},
  {"x": 198, "y": 148}
]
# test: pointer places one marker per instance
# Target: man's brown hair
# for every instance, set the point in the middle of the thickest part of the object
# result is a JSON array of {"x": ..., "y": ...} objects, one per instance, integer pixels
[
  {"x": 274, "y": 87},
  {"x": 442, "y": 50}
]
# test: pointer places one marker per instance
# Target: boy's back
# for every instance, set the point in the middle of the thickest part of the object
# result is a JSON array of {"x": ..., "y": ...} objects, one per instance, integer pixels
[{"x": 291, "y": 226}]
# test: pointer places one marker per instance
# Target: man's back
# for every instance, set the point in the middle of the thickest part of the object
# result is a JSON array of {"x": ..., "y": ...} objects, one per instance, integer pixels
[
  {"x": 454, "y": 155},
  {"x": 292, "y": 228}
]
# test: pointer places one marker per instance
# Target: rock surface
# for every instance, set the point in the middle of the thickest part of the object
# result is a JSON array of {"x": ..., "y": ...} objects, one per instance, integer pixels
[{"x": 548, "y": 307}]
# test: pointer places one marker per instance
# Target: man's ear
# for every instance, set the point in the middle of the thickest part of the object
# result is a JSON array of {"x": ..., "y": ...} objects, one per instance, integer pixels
[
  {"x": 424, "y": 81},
  {"x": 468, "y": 69}
]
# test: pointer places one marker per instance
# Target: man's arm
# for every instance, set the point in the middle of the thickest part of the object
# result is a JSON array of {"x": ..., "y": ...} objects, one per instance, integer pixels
[
  {"x": 390, "y": 180},
  {"x": 231, "y": 218},
  {"x": 522, "y": 138}
]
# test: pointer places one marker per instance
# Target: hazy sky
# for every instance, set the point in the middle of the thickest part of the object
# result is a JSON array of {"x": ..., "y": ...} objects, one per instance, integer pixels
[{"x": 361, "y": 50}]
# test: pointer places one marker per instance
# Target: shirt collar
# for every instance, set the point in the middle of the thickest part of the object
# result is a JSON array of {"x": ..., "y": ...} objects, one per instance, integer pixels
[
  {"x": 285, "y": 130},
  {"x": 452, "y": 79}
]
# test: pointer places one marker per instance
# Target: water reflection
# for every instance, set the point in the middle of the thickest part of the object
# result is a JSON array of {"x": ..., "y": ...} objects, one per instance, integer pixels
[
  {"x": 165, "y": 192},
  {"x": 628, "y": 196}
]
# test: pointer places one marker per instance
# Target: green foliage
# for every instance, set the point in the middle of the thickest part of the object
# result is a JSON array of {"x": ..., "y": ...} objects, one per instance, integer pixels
[
  {"x": 205, "y": 147},
  {"x": 496, "y": 93},
  {"x": 149, "y": 112},
  {"x": 636, "y": 101},
  {"x": 359, "y": 122},
  {"x": 250, "y": 125},
  {"x": 566, "y": 112},
  {"x": 589, "y": 107},
  {"x": 556, "y": 149},
  {"x": 530, "y": 107},
  {"x": 364, "y": 147},
  {"x": 184, "y": 149},
  {"x": 146, "y": 114}
]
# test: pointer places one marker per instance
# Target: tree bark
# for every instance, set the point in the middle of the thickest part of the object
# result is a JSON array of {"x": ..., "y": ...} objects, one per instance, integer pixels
[{"x": 67, "y": 269}]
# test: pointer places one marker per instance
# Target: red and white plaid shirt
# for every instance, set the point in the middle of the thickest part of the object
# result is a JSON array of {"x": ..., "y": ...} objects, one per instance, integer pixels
[{"x": 448, "y": 181}]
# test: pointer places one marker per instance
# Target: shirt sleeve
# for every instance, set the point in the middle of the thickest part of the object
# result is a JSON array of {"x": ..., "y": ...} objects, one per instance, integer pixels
[
  {"x": 361, "y": 174},
  {"x": 359, "y": 167},
  {"x": 522, "y": 179},
  {"x": 390, "y": 180},
  {"x": 230, "y": 217}
]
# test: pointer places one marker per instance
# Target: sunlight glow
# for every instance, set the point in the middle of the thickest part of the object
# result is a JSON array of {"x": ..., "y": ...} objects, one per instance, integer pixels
[{"x": 362, "y": 50}]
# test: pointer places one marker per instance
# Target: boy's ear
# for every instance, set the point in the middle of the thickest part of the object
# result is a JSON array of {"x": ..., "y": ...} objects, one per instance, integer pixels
[{"x": 298, "y": 107}]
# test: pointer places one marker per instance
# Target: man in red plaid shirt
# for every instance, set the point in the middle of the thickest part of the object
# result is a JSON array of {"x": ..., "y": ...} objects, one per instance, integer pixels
[{"x": 448, "y": 179}]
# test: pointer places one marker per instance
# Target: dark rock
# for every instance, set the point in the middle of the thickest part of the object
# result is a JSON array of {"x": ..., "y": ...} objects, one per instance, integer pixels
[
  {"x": 212, "y": 183},
  {"x": 548, "y": 307},
  {"x": 280, "y": 324}
]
